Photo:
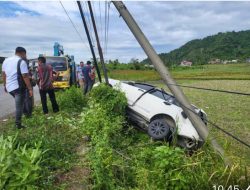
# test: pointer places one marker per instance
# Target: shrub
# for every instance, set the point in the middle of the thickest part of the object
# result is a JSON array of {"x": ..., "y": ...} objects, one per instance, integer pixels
[
  {"x": 71, "y": 99},
  {"x": 112, "y": 101}
]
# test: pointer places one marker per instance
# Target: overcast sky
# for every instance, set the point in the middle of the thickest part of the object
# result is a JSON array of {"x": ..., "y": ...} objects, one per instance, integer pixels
[{"x": 168, "y": 25}]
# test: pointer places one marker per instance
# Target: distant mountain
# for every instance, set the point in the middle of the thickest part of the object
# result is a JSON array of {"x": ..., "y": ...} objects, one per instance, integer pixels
[{"x": 223, "y": 46}]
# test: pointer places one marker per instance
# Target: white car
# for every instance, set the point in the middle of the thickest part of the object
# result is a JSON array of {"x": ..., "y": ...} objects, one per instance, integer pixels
[{"x": 159, "y": 113}]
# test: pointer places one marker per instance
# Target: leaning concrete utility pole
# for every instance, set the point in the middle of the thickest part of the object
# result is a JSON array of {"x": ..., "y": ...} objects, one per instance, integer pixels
[
  {"x": 98, "y": 44},
  {"x": 89, "y": 39},
  {"x": 165, "y": 74}
]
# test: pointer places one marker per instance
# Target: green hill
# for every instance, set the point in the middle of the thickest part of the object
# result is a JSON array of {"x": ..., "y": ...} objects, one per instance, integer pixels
[{"x": 223, "y": 46}]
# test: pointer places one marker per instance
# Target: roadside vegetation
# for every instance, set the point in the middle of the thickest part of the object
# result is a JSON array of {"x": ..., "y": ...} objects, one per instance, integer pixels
[
  {"x": 52, "y": 152},
  {"x": 38, "y": 157}
]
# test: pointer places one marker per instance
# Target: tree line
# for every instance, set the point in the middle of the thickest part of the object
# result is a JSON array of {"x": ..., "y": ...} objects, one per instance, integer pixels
[{"x": 224, "y": 46}]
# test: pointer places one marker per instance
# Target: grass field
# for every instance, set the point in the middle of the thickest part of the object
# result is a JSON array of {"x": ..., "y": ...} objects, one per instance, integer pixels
[
  {"x": 231, "y": 112},
  {"x": 205, "y": 72}
]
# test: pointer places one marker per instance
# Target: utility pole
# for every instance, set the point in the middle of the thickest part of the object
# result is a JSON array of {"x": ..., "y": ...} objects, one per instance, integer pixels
[
  {"x": 166, "y": 76},
  {"x": 89, "y": 40},
  {"x": 98, "y": 43}
]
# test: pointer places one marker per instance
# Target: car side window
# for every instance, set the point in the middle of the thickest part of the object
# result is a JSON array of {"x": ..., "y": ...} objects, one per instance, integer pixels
[{"x": 159, "y": 94}]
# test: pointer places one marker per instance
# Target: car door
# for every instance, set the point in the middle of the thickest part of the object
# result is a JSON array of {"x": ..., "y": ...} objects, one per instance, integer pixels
[
  {"x": 155, "y": 102},
  {"x": 137, "y": 104}
]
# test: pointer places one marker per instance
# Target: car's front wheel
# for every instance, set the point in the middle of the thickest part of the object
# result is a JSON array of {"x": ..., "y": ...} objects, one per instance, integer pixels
[{"x": 159, "y": 129}]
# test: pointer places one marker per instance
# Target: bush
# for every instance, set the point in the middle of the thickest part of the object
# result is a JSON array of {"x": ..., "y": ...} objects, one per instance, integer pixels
[
  {"x": 71, "y": 99},
  {"x": 110, "y": 100}
]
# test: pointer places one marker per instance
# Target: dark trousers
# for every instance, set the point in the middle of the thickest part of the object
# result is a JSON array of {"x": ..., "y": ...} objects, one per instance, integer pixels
[
  {"x": 28, "y": 104},
  {"x": 19, "y": 96},
  {"x": 87, "y": 86},
  {"x": 52, "y": 97}
]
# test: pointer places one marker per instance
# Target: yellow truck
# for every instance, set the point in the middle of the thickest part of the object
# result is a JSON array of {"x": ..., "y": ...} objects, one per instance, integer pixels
[{"x": 63, "y": 68}]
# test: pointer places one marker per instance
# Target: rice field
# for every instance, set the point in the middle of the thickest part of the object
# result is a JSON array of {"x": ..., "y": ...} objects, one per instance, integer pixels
[{"x": 205, "y": 72}]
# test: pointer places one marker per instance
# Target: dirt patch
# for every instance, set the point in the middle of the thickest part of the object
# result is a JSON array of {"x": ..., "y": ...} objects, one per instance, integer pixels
[{"x": 76, "y": 179}]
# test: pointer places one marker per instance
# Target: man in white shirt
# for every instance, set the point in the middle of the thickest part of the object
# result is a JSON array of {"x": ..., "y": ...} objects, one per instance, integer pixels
[{"x": 16, "y": 79}]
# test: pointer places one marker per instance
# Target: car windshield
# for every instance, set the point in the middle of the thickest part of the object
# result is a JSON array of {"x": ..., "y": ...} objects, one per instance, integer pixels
[
  {"x": 58, "y": 63},
  {"x": 164, "y": 96}
]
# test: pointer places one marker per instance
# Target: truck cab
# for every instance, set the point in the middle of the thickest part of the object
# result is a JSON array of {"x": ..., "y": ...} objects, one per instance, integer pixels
[
  {"x": 64, "y": 67},
  {"x": 61, "y": 66}
]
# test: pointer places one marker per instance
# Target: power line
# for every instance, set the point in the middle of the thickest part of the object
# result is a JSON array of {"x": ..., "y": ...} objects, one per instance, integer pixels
[
  {"x": 107, "y": 33},
  {"x": 210, "y": 89},
  {"x": 73, "y": 25},
  {"x": 85, "y": 10},
  {"x": 89, "y": 39},
  {"x": 105, "y": 29},
  {"x": 97, "y": 21},
  {"x": 100, "y": 15}
]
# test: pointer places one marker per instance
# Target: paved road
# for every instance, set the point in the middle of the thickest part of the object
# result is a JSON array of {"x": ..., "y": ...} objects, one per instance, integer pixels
[{"x": 7, "y": 104}]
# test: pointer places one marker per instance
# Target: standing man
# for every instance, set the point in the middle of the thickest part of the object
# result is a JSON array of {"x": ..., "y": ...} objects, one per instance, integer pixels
[
  {"x": 45, "y": 74},
  {"x": 80, "y": 77},
  {"x": 16, "y": 80},
  {"x": 87, "y": 80}
]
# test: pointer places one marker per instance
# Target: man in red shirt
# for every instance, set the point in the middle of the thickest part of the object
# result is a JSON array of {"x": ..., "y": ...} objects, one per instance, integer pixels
[{"x": 45, "y": 74}]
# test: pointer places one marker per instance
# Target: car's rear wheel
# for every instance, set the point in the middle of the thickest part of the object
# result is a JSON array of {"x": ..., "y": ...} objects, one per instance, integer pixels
[{"x": 160, "y": 129}]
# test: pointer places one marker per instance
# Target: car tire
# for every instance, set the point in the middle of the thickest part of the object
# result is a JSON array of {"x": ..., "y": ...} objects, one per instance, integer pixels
[{"x": 159, "y": 129}]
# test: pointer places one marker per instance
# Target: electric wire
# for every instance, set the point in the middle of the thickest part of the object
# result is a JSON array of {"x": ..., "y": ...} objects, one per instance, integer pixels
[
  {"x": 97, "y": 25},
  {"x": 105, "y": 28},
  {"x": 107, "y": 34},
  {"x": 86, "y": 13},
  {"x": 98, "y": 22},
  {"x": 210, "y": 89},
  {"x": 101, "y": 27},
  {"x": 74, "y": 25}
]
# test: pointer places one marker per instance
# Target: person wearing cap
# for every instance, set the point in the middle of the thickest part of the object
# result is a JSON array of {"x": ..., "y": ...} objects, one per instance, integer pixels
[
  {"x": 45, "y": 84},
  {"x": 16, "y": 80},
  {"x": 86, "y": 70}
]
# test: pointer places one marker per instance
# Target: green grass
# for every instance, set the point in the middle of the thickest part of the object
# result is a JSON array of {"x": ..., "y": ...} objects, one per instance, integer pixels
[
  {"x": 58, "y": 134},
  {"x": 205, "y": 72},
  {"x": 140, "y": 75}
]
